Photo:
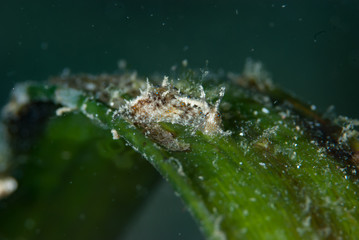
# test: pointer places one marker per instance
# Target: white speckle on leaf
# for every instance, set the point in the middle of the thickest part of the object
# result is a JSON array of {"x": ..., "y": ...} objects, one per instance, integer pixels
[
  {"x": 115, "y": 135},
  {"x": 179, "y": 166},
  {"x": 245, "y": 212},
  {"x": 263, "y": 165},
  {"x": 63, "y": 110},
  {"x": 217, "y": 232},
  {"x": 293, "y": 156},
  {"x": 90, "y": 86},
  {"x": 265, "y": 110}
]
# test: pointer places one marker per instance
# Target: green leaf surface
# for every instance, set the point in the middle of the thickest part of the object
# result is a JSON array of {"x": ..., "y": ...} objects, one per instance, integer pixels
[
  {"x": 284, "y": 172},
  {"x": 75, "y": 182}
]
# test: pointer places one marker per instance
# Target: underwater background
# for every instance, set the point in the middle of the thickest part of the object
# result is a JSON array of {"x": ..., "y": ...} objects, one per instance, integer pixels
[{"x": 309, "y": 47}]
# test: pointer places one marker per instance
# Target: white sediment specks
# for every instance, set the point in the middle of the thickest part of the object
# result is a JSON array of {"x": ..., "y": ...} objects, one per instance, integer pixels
[
  {"x": 90, "y": 86},
  {"x": 217, "y": 232},
  {"x": 60, "y": 111},
  {"x": 179, "y": 166},
  {"x": 84, "y": 111},
  {"x": 348, "y": 129},
  {"x": 263, "y": 165},
  {"x": 109, "y": 111},
  {"x": 7, "y": 186},
  {"x": 265, "y": 110},
  {"x": 115, "y": 135}
]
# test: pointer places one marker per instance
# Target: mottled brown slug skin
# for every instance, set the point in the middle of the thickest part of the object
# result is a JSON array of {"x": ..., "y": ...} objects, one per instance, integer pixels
[{"x": 167, "y": 104}]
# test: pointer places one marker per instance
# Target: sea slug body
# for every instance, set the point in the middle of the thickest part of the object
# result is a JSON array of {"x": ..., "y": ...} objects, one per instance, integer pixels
[{"x": 166, "y": 104}]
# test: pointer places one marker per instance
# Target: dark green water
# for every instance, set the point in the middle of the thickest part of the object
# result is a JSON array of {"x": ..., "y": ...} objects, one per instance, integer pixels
[{"x": 310, "y": 47}]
